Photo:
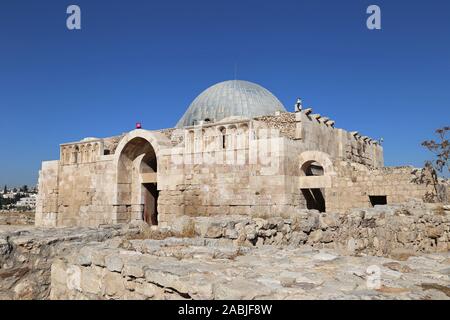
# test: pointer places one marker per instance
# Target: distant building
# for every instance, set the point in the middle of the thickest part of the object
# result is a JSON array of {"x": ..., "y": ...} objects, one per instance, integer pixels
[
  {"x": 9, "y": 195},
  {"x": 29, "y": 202}
]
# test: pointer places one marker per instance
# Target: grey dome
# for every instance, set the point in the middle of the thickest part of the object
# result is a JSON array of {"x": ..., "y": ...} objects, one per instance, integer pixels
[{"x": 234, "y": 98}]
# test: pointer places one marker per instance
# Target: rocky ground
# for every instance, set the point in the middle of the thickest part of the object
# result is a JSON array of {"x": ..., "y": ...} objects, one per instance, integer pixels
[
  {"x": 26, "y": 255},
  {"x": 217, "y": 269},
  {"x": 16, "y": 218},
  {"x": 388, "y": 252}
]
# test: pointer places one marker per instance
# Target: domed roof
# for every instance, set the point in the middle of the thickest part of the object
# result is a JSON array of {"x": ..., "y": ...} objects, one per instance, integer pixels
[{"x": 230, "y": 99}]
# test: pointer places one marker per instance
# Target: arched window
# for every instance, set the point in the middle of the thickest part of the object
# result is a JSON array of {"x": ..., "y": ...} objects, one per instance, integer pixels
[
  {"x": 312, "y": 168},
  {"x": 223, "y": 133},
  {"x": 75, "y": 154}
]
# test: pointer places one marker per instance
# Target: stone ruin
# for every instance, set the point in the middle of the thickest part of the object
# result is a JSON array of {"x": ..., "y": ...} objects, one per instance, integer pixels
[
  {"x": 310, "y": 256},
  {"x": 241, "y": 200},
  {"x": 236, "y": 151}
]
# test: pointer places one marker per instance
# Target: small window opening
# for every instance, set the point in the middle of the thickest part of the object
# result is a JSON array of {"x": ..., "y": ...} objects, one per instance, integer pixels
[
  {"x": 223, "y": 131},
  {"x": 378, "y": 200}
]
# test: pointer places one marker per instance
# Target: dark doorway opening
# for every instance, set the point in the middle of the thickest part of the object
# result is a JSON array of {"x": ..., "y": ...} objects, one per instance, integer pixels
[
  {"x": 378, "y": 200},
  {"x": 314, "y": 199},
  {"x": 151, "y": 203}
]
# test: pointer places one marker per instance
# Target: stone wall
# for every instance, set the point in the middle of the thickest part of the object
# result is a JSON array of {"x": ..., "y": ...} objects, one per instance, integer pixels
[
  {"x": 354, "y": 184},
  {"x": 26, "y": 256},
  {"x": 113, "y": 263},
  {"x": 238, "y": 166},
  {"x": 378, "y": 231},
  {"x": 47, "y": 199},
  {"x": 218, "y": 188},
  {"x": 318, "y": 133},
  {"x": 86, "y": 193},
  {"x": 210, "y": 180}
]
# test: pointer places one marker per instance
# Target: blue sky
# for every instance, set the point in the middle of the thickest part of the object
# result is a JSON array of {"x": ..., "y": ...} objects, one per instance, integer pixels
[{"x": 147, "y": 60}]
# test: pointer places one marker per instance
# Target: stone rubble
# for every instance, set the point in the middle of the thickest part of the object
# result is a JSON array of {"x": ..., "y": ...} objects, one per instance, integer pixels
[
  {"x": 379, "y": 231},
  {"x": 216, "y": 269},
  {"x": 309, "y": 256},
  {"x": 26, "y": 256}
]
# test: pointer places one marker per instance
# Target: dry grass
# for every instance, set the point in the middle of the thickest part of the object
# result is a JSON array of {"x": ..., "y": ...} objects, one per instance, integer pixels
[
  {"x": 439, "y": 211},
  {"x": 238, "y": 253},
  {"x": 188, "y": 230},
  {"x": 146, "y": 232},
  {"x": 401, "y": 254}
]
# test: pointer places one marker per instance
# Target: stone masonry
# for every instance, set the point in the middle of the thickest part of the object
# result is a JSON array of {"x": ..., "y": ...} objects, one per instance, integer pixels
[
  {"x": 272, "y": 164},
  {"x": 311, "y": 255}
]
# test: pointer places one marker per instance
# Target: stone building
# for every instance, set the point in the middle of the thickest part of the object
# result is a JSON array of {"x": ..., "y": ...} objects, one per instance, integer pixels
[{"x": 236, "y": 150}]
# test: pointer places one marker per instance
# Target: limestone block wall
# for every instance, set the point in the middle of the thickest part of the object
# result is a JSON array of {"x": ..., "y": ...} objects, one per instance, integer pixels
[
  {"x": 77, "y": 190},
  {"x": 236, "y": 166},
  {"x": 242, "y": 172},
  {"x": 232, "y": 167},
  {"x": 379, "y": 231},
  {"x": 47, "y": 199},
  {"x": 354, "y": 184},
  {"x": 86, "y": 193},
  {"x": 318, "y": 133}
]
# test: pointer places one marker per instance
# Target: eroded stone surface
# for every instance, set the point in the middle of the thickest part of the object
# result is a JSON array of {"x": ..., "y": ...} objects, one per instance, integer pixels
[
  {"x": 26, "y": 257},
  {"x": 310, "y": 256},
  {"x": 175, "y": 269},
  {"x": 398, "y": 230}
]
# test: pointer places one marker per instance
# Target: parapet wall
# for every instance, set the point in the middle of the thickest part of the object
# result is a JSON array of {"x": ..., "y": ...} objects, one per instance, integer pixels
[{"x": 319, "y": 133}]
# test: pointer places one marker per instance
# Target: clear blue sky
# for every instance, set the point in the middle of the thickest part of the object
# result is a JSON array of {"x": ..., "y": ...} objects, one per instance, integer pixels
[{"x": 147, "y": 60}]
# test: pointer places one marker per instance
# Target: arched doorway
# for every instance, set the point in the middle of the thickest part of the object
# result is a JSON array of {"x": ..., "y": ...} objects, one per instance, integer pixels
[
  {"x": 315, "y": 197},
  {"x": 137, "y": 190},
  {"x": 316, "y": 171}
]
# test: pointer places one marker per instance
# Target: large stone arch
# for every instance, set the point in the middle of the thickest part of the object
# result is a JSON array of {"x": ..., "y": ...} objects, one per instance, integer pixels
[
  {"x": 313, "y": 186},
  {"x": 308, "y": 157},
  {"x": 136, "y": 162}
]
